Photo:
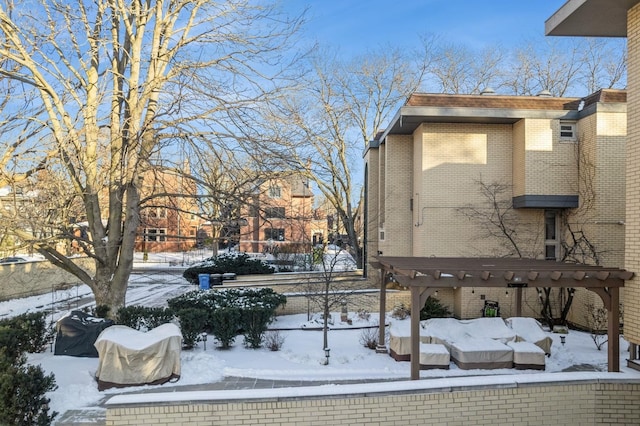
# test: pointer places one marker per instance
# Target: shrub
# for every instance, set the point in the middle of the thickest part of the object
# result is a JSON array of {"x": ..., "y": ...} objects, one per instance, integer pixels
[
  {"x": 193, "y": 323},
  {"x": 22, "y": 392},
  {"x": 225, "y": 323},
  {"x": 363, "y": 314},
  {"x": 434, "y": 309},
  {"x": 400, "y": 312},
  {"x": 597, "y": 320},
  {"x": 254, "y": 322},
  {"x": 240, "y": 264},
  {"x": 32, "y": 334},
  {"x": 102, "y": 311},
  {"x": 143, "y": 318},
  {"x": 273, "y": 340},
  {"x": 369, "y": 337}
]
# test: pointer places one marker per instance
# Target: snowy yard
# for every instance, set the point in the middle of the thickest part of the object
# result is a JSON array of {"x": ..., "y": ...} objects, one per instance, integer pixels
[{"x": 300, "y": 358}]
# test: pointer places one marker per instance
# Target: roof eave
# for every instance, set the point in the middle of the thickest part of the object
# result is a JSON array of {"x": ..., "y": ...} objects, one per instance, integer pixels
[{"x": 590, "y": 18}]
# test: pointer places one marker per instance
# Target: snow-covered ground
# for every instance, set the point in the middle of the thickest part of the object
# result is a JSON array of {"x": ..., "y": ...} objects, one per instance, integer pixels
[{"x": 301, "y": 357}]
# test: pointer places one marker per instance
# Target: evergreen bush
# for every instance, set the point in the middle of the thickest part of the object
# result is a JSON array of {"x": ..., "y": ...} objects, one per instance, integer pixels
[
  {"x": 226, "y": 311},
  {"x": 434, "y": 309},
  {"x": 32, "y": 333},
  {"x": 254, "y": 322},
  {"x": 238, "y": 263},
  {"x": 144, "y": 318},
  {"x": 225, "y": 324},
  {"x": 192, "y": 323},
  {"x": 23, "y": 391}
]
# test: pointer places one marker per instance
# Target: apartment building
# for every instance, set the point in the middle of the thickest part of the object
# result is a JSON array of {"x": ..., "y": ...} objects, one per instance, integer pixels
[
  {"x": 168, "y": 216},
  {"x": 600, "y": 18},
  {"x": 500, "y": 176},
  {"x": 281, "y": 216}
]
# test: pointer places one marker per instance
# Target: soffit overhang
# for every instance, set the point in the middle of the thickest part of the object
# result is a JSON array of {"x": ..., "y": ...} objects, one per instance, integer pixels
[
  {"x": 409, "y": 118},
  {"x": 590, "y": 18}
]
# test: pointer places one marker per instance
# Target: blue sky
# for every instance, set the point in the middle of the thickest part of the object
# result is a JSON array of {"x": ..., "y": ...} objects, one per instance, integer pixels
[{"x": 355, "y": 25}]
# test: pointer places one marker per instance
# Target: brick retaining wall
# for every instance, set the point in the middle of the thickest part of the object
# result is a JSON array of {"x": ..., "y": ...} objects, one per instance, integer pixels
[{"x": 588, "y": 399}]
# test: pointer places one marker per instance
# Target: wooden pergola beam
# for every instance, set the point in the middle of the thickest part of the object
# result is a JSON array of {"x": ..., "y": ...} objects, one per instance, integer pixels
[{"x": 425, "y": 275}]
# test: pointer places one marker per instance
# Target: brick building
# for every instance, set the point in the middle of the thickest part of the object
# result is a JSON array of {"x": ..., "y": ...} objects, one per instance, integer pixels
[
  {"x": 281, "y": 216},
  {"x": 601, "y": 18},
  {"x": 168, "y": 215},
  {"x": 551, "y": 169}
]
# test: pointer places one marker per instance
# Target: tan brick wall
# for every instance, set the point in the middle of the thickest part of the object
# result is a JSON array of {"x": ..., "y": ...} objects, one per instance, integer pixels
[
  {"x": 550, "y": 166},
  {"x": 519, "y": 163},
  {"x": 632, "y": 227},
  {"x": 397, "y": 195},
  {"x": 571, "y": 403},
  {"x": 454, "y": 158},
  {"x": 372, "y": 166}
]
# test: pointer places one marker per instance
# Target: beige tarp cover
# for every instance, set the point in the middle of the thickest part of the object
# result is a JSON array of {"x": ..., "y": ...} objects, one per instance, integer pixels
[
  {"x": 530, "y": 330},
  {"x": 527, "y": 355},
  {"x": 130, "y": 357},
  {"x": 486, "y": 353},
  {"x": 434, "y": 356}
]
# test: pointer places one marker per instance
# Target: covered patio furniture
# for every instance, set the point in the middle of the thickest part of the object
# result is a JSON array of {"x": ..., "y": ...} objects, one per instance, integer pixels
[{"x": 129, "y": 357}]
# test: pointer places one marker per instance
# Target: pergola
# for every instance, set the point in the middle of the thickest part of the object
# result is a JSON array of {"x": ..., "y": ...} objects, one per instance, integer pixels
[{"x": 425, "y": 275}]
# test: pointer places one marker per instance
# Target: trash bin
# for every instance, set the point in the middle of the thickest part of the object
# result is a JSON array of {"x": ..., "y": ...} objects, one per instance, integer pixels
[
  {"x": 216, "y": 279},
  {"x": 203, "y": 279}
]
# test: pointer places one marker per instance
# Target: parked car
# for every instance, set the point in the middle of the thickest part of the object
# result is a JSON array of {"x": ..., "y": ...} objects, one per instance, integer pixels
[{"x": 12, "y": 259}]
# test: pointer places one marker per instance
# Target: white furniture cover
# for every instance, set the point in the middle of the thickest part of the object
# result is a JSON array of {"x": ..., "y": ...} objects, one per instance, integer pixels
[
  {"x": 527, "y": 356},
  {"x": 433, "y": 355},
  {"x": 530, "y": 330},
  {"x": 483, "y": 353},
  {"x": 129, "y": 357}
]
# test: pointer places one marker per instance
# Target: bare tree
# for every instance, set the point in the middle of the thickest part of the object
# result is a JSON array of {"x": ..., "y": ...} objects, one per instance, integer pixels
[
  {"x": 339, "y": 111},
  {"x": 496, "y": 220},
  {"x": 458, "y": 70},
  {"x": 117, "y": 81},
  {"x": 562, "y": 67},
  {"x": 604, "y": 63},
  {"x": 328, "y": 291}
]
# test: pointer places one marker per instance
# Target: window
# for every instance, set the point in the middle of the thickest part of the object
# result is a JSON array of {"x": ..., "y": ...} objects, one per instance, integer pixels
[
  {"x": 568, "y": 131},
  {"x": 275, "y": 212},
  {"x": 157, "y": 212},
  {"x": 551, "y": 242},
  {"x": 275, "y": 234},
  {"x": 274, "y": 191},
  {"x": 155, "y": 234}
]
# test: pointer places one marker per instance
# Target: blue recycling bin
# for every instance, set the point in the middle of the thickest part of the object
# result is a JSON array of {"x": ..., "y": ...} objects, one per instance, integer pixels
[{"x": 203, "y": 279}]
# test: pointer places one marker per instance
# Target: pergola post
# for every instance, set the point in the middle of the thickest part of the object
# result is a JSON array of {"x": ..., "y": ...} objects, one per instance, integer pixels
[
  {"x": 613, "y": 330},
  {"x": 419, "y": 297},
  {"x": 415, "y": 333},
  {"x": 519, "y": 301}
]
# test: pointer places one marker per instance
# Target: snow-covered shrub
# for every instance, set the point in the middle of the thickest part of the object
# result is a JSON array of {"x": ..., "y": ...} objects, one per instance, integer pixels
[
  {"x": 237, "y": 263},
  {"x": 144, "y": 318}
]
